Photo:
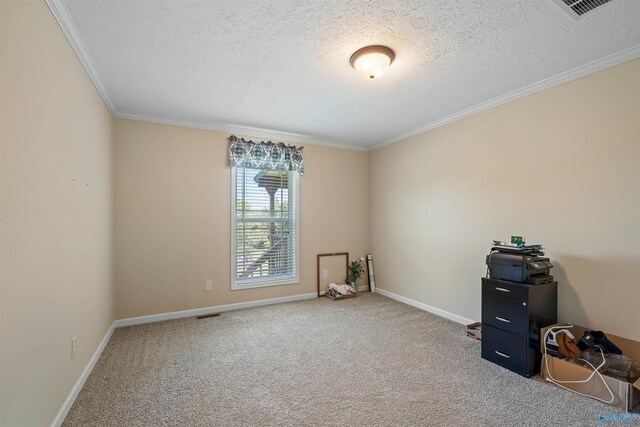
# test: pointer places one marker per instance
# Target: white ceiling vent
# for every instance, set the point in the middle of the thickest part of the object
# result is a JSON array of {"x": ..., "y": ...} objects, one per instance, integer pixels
[{"x": 577, "y": 8}]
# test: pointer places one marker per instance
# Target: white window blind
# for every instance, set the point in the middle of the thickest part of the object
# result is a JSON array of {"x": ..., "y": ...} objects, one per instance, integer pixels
[{"x": 264, "y": 229}]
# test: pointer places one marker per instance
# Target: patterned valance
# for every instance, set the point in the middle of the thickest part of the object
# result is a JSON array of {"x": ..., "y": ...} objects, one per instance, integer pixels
[{"x": 265, "y": 155}]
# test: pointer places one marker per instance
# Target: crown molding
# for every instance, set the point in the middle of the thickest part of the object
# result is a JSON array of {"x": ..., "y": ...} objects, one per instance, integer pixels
[
  {"x": 62, "y": 15},
  {"x": 239, "y": 130},
  {"x": 564, "y": 77}
]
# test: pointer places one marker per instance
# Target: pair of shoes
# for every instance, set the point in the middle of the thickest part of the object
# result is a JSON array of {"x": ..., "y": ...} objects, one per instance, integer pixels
[
  {"x": 597, "y": 340},
  {"x": 567, "y": 346}
]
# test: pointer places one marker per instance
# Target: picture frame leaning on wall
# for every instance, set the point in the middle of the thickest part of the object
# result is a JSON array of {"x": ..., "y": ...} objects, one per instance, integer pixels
[{"x": 346, "y": 264}]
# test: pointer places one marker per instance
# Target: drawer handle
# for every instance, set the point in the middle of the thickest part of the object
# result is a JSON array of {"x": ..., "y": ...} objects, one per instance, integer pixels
[
  {"x": 502, "y": 289},
  {"x": 506, "y": 356},
  {"x": 502, "y": 319}
]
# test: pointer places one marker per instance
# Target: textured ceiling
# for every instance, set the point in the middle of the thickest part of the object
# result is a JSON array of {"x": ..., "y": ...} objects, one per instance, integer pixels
[{"x": 284, "y": 65}]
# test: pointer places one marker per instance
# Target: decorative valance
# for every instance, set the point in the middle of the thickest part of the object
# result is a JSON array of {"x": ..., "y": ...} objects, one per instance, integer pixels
[{"x": 265, "y": 155}]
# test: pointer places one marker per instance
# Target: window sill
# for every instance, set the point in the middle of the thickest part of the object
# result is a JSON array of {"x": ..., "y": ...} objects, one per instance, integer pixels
[{"x": 264, "y": 284}]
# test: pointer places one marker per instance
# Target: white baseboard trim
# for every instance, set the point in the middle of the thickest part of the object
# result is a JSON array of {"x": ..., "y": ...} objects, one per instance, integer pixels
[
  {"x": 209, "y": 310},
  {"x": 68, "y": 403},
  {"x": 426, "y": 307}
]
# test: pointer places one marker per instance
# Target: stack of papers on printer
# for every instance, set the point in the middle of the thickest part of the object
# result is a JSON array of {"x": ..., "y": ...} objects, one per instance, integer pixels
[{"x": 512, "y": 247}]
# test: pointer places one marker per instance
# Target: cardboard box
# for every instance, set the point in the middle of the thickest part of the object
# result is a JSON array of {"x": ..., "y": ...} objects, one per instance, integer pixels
[{"x": 626, "y": 393}]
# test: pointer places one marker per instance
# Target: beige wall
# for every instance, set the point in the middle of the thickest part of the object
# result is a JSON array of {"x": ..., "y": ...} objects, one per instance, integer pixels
[
  {"x": 173, "y": 225},
  {"x": 560, "y": 167},
  {"x": 55, "y": 221}
]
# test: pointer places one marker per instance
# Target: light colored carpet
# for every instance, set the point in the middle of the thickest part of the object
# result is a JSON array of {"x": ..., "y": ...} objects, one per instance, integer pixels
[{"x": 368, "y": 361}]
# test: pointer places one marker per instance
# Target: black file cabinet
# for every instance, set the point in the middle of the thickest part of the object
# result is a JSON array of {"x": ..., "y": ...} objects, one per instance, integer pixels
[{"x": 512, "y": 316}]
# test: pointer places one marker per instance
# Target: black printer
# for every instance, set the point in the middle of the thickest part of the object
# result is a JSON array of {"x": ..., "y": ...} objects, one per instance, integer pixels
[{"x": 526, "y": 267}]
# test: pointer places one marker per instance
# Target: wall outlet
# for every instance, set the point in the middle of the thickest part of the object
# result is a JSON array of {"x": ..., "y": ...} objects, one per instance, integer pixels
[
  {"x": 208, "y": 286},
  {"x": 74, "y": 347},
  {"x": 324, "y": 274}
]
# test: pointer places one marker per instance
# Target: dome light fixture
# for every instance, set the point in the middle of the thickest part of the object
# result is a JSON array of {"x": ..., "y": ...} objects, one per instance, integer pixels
[{"x": 372, "y": 61}]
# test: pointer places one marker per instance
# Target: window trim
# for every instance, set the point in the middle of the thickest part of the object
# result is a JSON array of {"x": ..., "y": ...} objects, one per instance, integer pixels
[{"x": 266, "y": 282}]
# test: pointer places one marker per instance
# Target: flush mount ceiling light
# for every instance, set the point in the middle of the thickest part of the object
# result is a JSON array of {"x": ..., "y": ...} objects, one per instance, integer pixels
[{"x": 372, "y": 61}]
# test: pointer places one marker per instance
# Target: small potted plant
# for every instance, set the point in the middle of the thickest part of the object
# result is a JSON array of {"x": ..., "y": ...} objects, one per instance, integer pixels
[{"x": 355, "y": 271}]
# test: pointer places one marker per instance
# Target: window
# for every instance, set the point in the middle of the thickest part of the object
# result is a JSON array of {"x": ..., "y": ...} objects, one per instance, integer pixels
[{"x": 264, "y": 228}]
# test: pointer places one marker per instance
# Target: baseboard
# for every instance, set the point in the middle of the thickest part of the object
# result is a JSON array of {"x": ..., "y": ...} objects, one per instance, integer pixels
[
  {"x": 426, "y": 307},
  {"x": 209, "y": 310},
  {"x": 68, "y": 403}
]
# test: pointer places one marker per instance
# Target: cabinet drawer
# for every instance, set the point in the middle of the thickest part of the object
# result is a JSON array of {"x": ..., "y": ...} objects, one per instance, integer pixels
[
  {"x": 505, "y": 349},
  {"x": 509, "y": 314},
  {"x": 505, "y": 288}
]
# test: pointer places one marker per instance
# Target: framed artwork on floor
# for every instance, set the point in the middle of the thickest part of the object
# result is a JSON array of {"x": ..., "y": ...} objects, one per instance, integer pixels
[{"x": 346, "y": 264}]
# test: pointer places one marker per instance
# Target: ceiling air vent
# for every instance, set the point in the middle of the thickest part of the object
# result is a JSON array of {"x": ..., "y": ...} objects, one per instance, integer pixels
[{"x": 577, "y": 8}]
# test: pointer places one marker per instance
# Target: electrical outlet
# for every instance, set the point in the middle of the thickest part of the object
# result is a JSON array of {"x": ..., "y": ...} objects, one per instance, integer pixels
[
  {"x": 208, "y": 286},
  {"x": 324, "y": 274},
  {"x": 74, "y": 347}
]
